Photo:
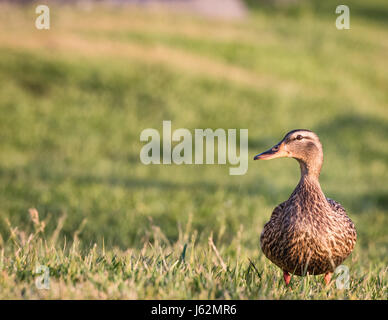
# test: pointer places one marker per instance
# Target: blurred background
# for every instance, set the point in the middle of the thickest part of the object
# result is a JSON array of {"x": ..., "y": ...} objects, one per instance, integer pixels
[{"x": 75, "y": 98}]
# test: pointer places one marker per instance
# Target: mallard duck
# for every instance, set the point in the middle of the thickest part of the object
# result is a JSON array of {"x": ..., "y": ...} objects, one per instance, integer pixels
[{"x": 308, "y": 233}]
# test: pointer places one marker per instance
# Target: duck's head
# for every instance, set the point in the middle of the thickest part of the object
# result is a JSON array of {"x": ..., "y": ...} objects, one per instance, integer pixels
[{"x": 301, "y": 144}]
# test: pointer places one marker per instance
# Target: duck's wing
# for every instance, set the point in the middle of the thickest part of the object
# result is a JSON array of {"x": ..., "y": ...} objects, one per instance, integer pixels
[
  {"x": 348, "y": 230},
  {"x": 340, "y": 210},
  {"x": 276, "y": 213},
  {"x": 271, "y": 234},
  {"x": 337, "y": 207}
]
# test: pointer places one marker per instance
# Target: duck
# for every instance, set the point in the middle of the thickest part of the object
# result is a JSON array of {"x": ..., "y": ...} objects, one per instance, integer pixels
[{"x": 308, "y": 234}]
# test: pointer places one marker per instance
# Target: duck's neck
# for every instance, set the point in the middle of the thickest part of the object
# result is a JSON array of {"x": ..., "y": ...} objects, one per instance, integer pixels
[
  {"x": 311, "y": 168},
  {"x": 309, "y": 187},
  {"x": 309, "y": 181}
]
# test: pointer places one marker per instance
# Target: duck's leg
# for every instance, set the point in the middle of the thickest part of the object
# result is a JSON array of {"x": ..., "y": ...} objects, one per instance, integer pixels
[
  {"x": 327, "y": 277},
  {"x": 286, "y": 277}
]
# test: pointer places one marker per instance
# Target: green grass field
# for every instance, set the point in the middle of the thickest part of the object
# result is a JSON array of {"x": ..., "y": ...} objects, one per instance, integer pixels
[{"x": 74, "y": 100}]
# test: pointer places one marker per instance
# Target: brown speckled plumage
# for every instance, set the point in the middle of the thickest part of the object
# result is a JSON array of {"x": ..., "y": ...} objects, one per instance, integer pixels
[{"x": 308, "y": 233}]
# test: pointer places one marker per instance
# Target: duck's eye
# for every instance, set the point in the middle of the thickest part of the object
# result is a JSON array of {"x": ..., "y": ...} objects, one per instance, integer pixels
[
  {"x": 275, "y": 148},
  {"x": 299, "y": 137}
]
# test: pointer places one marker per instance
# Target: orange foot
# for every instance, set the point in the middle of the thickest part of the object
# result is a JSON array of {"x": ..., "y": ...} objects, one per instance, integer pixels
[
  {"x": 327, "y": 277},
  {"x": 286, "y": 277}
]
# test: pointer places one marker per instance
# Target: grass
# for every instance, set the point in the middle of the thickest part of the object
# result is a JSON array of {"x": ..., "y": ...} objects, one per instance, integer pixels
[{"x": 74, "y": 100}]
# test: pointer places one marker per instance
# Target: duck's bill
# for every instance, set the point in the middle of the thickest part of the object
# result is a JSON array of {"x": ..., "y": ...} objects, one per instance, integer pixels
[{"x": 273, "y": 153}]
